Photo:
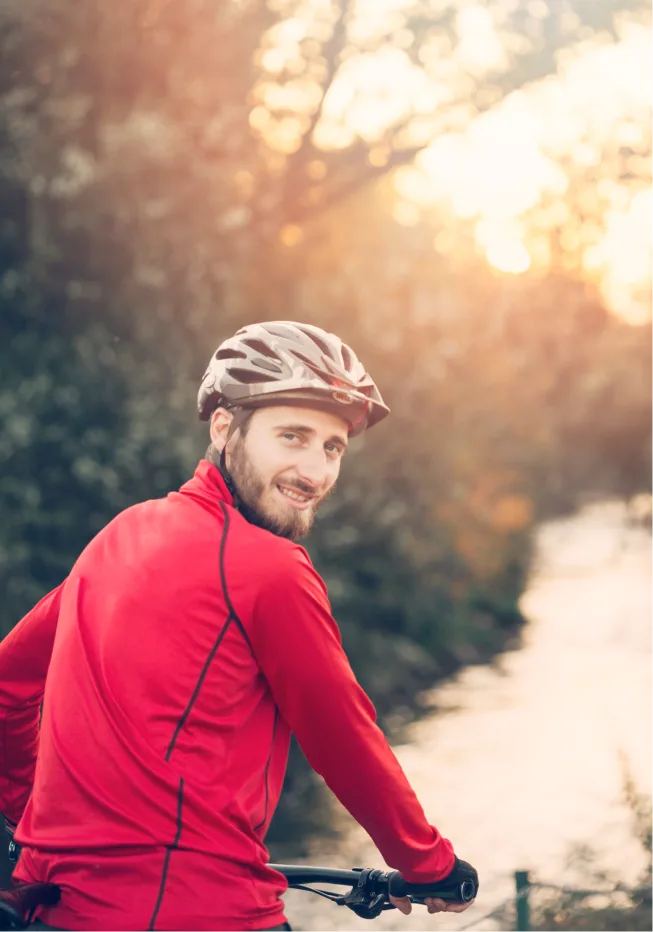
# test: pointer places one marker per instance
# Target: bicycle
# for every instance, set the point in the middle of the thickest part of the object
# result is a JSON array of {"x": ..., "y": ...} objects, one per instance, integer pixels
[{"x": 368, "y": 897}]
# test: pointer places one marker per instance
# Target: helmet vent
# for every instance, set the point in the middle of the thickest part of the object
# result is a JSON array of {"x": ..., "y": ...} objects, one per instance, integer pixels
[
  {"x": 311, "y": 365},
  {"x": 230, "y": 354},
  {"x": 268, "y": 365},
  {"x": 323, "y": 345},
  {"x": 278, "y": 330},
  {"x": 261, "y": 348},
  {"x": 346, "y": 357},
  {"x": 338, "y": 373},
  {"x": 247, "y": 377}
]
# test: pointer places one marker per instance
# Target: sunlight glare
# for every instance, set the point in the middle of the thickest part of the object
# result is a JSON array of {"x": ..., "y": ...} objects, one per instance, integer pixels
[
  {"x": 625, "y": 254},
  {"x": 374, "y": 91},
  {"x": 480, "y": 47},
  {"x": 497, "y": 168},
  {"x": 509, "y": 168},
  {"x": 504, "y": 165},
  {"x": 509, "y": 257}
]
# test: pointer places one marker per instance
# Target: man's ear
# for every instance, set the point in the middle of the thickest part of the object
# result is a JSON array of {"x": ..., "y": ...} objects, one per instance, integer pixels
[{"x": 220, "y": 421}]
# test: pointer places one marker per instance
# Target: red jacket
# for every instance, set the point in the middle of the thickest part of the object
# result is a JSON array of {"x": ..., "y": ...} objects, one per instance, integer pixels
[{"x": 180, "y": 653}]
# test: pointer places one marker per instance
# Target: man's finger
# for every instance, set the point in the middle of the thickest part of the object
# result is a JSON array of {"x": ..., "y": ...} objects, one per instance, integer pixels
[
  {"x": 402, "y": 903},
  {"x": 458, "y": 907},
  {"x": 436, "y": 905},
  {"x": 433, "y": 904}
]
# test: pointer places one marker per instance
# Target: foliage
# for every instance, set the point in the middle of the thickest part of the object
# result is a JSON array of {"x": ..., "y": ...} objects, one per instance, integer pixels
[{"x": 169, "y": 171}]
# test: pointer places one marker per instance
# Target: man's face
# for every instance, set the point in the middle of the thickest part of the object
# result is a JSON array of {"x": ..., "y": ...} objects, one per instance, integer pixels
[{"x": 286, "y": 465}]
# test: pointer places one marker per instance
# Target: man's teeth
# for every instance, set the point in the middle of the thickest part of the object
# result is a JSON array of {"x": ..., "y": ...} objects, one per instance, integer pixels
[{"x": 296, "y": 496}]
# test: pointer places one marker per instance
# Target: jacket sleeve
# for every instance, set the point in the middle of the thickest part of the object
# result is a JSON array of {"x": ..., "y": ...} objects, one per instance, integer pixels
[
  {"x": 297, "y": 644},
  {"x": 24, "y": 659}
]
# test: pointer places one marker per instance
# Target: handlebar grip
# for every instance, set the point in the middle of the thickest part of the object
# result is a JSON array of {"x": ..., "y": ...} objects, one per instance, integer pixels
[{"x": 461, "y": 891}]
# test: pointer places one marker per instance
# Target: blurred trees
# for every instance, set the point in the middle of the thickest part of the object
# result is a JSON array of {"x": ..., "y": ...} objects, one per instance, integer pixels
[{"x": 169, "y": 171}]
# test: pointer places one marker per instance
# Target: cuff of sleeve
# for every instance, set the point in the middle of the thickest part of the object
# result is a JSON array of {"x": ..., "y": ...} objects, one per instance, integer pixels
[{"x": 433, "y": 871}]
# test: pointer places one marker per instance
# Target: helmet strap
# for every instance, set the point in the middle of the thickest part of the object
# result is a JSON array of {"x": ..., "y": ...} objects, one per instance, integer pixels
[{"x": 240, "y": 416}]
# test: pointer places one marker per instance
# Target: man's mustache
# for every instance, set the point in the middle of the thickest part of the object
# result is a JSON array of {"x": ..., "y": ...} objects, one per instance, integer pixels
[
  {"x": 308, "y": 489},
  {"x": 300, "y": 486}
]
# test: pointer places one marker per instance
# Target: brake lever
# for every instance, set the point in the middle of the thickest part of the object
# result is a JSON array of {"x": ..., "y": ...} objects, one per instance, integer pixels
[
  {"x": 364, "y": 904},
  {"x": 373, "y": 909}
]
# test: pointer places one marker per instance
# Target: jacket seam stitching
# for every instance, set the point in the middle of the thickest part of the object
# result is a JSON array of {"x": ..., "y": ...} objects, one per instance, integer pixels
[
  {"x": 169, "y": 849},
  {"x": 267, "y": 771},
  {"x": 191, "y": 702},
  {"x": 223, "y": 575}
]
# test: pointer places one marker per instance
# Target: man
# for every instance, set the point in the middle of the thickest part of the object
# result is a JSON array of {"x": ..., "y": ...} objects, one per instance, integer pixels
[{"x": 190, "y": 639}]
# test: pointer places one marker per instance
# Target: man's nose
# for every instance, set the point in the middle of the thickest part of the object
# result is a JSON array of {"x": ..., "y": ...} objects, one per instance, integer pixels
[{"x": 312, "y": 468}]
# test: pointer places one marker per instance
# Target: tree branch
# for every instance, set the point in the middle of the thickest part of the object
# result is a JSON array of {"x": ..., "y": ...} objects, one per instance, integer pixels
[
  {"x": 331, "y": 52},
  {"x": 527, "y": 69},
  {"x": 364, "y": 177}
]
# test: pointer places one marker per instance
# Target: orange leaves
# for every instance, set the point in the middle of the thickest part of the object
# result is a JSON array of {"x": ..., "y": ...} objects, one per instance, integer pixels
[
  {"x": 486, "y": 512},
  {"x": 513, "y": 513}
]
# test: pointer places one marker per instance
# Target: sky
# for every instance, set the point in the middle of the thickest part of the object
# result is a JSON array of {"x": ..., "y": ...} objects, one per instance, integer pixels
[
  {"x": 500, "y": 171},
  {"x": 499, "y": 168}
]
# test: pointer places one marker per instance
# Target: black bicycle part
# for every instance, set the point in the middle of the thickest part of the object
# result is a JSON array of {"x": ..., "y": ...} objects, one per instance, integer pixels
[
  {"x": 18, "y": 904},
  {"x": 371, "y": 888},
  {"x": 13, "y": 852},
  {"x": 460, "y": 884}
]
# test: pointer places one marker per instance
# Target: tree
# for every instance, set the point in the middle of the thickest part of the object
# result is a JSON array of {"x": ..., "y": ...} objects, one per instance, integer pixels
[{"x": 171, "y": 170}]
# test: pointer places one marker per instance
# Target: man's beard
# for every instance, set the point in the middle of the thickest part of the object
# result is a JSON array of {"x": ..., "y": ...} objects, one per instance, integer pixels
[{"x": 292, "y": 524}]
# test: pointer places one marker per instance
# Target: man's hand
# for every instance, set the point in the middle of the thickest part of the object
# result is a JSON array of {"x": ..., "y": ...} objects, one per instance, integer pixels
[
  {"x": 461, "y": 871},
  {"x": 433, "y": 904}
]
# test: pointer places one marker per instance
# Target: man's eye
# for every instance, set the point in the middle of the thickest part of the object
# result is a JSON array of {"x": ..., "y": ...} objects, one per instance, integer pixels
[
  {"x": 333, "y": 450},
  {"x": 288, "y": 435}
]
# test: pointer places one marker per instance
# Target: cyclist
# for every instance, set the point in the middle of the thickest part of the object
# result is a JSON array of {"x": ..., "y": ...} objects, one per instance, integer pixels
[{"x": 191, "y": 637}]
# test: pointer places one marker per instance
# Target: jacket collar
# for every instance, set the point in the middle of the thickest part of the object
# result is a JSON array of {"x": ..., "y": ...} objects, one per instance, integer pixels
[{"x": 207, "y": 487}]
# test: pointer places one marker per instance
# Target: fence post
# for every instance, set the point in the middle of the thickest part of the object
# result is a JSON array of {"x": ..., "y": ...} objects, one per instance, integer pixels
[{"x": 522, "y": 886}]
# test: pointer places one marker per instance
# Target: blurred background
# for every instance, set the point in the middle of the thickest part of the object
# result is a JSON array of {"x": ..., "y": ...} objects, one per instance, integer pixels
[{"x": 461, "y": 189}]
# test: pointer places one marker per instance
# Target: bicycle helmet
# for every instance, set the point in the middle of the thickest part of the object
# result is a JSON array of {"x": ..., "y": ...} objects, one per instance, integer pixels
[{"x": 282, "y": 362}]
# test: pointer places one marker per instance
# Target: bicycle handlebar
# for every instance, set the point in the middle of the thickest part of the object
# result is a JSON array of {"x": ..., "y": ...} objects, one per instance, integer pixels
[
  {"x": 463, "y": 892},
  {"x": 371, "y": 888}
]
